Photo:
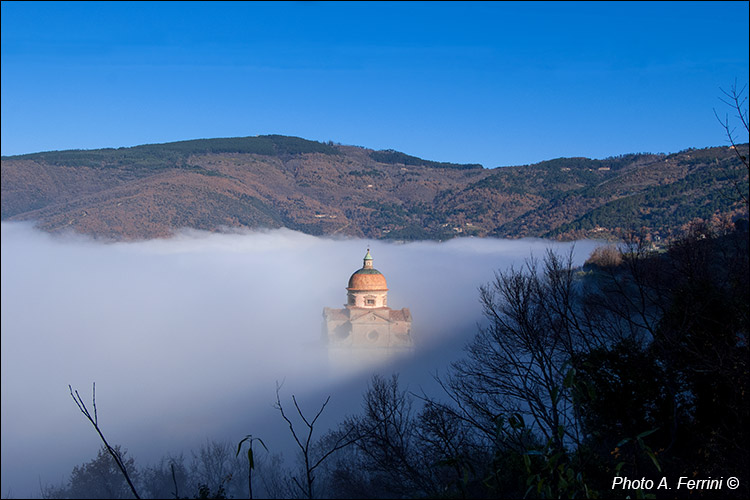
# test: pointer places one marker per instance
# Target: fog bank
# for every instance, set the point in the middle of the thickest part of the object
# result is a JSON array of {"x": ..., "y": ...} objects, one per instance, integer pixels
[{"x": 187, "y": 337}]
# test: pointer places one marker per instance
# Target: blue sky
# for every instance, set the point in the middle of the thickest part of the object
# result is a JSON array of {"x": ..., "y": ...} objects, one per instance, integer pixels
[{"x": 493, "y": 83}]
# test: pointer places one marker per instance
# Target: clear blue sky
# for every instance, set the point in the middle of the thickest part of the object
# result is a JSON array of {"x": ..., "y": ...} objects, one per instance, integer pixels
[{"x": 494, "y": 83}]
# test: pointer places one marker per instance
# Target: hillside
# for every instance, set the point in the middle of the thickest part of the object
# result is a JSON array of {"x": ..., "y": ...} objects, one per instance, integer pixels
[{"x": 323, "y": 188}]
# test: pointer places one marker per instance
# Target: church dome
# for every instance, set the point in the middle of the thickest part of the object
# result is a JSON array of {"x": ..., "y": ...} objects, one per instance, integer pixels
[{"x": 367, "y": 278}]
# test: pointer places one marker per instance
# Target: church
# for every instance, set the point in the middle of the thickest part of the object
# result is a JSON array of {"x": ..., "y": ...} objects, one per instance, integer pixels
[{"x": 367, "y": 322}]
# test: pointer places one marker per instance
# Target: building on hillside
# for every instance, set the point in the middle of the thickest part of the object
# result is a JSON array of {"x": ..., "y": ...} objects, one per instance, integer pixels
[{"x": 366, "y": 322}]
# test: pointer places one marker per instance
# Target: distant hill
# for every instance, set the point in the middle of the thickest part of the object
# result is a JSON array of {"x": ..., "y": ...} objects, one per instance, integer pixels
[{"x": 324, "y": 188}]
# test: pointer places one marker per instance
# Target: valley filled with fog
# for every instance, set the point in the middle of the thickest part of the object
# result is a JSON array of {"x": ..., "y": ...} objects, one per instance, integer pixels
[{"x": 186, "y": 338}]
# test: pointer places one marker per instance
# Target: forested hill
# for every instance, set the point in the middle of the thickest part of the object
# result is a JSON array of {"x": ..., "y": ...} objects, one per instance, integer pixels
[{"x": 324, "y": 188}]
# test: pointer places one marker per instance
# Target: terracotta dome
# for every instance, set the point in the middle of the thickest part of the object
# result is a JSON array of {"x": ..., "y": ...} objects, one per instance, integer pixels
[{"x": 367, "y": 280}]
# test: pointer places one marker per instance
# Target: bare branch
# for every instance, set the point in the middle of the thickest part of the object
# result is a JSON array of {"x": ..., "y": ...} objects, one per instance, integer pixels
[
  {"x": 283, "y": 415},
  {"x": 736, "y": 100},
  {"x": 95, "y": 422},
  {"x": 310, "y": 464}
]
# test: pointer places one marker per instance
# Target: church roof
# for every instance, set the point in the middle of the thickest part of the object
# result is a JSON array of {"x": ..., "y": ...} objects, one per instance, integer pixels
[
  {"x": 401, "y": 315},
  {"x": 335, "y": 314}
]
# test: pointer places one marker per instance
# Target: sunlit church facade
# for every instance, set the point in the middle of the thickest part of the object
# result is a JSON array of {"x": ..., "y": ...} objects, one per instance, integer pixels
[{"x": 366, "y": 324}]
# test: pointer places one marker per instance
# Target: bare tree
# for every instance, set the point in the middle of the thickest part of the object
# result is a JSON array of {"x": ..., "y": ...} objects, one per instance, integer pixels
[
  {"x": 627, "y": 300},
  {"x": 387, "y": 434},
  {"x": 216, "y": 470},
  {"x": 98, "y": 478},
  {"x": 736, "y": 100},
  {"x": 414, "y": 454},
  {"x": 517, "y": 364},
  {"x": 164, "y": 479},
  {"x": 304, "y": 442},
  {"x": 95, "y": 422},
  {"x": 274, "y": 481}
]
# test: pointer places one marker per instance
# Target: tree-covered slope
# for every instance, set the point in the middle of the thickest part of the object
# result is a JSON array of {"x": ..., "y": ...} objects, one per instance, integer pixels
[{"x": 324, "y": 188}]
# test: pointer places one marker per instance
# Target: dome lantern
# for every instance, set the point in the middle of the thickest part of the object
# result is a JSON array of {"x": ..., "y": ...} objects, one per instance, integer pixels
[{"x": 367, "y": 286}]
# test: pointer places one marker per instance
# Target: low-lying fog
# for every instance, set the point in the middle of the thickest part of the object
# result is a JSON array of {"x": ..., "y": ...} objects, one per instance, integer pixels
[{"x": 186, "y": 338}]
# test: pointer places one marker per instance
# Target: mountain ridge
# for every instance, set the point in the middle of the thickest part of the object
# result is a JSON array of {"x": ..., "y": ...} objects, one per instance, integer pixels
[{"x": 320, "y": 188}]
